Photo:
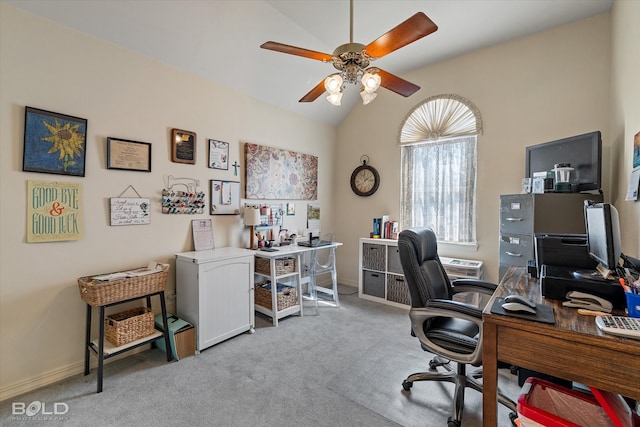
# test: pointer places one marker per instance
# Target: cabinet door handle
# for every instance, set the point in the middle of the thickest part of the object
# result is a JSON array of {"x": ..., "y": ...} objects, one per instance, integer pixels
[
  {"x": 512, "y": 254},
  {"x": 513, "y": 219}
]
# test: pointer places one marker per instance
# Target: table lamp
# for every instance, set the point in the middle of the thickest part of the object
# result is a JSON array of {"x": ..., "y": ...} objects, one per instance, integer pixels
[{"x": 251, "y": 219}]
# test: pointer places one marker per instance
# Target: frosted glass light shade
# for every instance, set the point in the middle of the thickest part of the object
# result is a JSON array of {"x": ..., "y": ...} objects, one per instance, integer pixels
[
  {"x": 370, "y": 82},
  {"x": 367, "y": 97},
  {"x": 335, "y": 98},
  {"x": 333, "y": 84}
]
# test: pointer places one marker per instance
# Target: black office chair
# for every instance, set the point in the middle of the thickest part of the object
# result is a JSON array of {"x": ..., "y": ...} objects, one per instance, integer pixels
[{"x": 451, "y": 330}]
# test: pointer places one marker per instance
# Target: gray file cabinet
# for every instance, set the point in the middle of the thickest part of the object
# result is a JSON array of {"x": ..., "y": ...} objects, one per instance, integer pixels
[{"x": 524, "y": 215}]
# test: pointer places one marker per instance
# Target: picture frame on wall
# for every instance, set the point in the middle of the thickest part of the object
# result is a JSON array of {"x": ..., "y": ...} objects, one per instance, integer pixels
[
  {"x": 54, "y": 143},
  {"x": 183, "y": 146},
  {"x": 218, "y": 154},
  {"x": 125, "y": 154}
]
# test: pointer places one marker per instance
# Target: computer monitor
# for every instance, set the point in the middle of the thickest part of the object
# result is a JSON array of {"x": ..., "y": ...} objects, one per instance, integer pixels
[{"x": 603, "y": 233}]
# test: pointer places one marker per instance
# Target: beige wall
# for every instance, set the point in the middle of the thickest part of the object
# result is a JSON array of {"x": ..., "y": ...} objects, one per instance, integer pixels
[
  {"x": 127, "y": 96},
  {"x": 532, "y": 90}
]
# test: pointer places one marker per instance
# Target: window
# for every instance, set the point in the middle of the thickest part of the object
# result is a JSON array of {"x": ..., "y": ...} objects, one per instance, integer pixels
[{"x": 438, "y": 166}]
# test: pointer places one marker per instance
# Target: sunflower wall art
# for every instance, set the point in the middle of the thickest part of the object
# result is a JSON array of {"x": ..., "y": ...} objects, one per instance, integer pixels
[{"x": 54, "y": 143}]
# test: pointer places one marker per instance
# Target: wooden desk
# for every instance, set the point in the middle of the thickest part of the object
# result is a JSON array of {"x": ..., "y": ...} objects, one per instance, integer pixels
[{"x": 573, "y": 349}]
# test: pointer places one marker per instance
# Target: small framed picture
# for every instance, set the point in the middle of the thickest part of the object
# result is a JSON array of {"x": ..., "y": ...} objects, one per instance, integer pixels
[
  {"x": 526, "y": 185},
  {"x": 183, "y": 146},
  {"x": 128, "y": 155},
  {"x": 291, "y": 209},
  {"x": 537, "y": 185},
  {"x": 54, "y": 143},
  {"x": 218, "y": 154}
]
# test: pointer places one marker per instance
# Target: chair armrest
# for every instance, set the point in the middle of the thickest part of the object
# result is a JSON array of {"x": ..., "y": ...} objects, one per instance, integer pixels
[
  {"x": 473, "y": 285},
  {"x": 452, "y": 309}
]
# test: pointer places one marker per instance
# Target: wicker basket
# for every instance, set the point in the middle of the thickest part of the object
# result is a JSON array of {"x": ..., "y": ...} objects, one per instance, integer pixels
[
  {"x": 283, "y": 266},
  {"x": 130, "y": 325},
  {"x": 285, "y": 297},
  {"x": 98, "y": 293}
]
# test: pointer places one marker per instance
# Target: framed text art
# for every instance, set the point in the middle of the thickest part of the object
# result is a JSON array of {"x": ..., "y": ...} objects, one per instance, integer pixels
[
  {"x": 128, "y": 155},
  {"x": 54, "y": 211},
  {"x": 183, "y": 146},
  {"x": 54, "y": 143},
  {"x": 218, "y": 154},
  {"x": 130, "y": 210}
]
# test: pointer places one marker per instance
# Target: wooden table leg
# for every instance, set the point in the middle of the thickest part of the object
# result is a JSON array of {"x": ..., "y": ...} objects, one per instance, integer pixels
[{"x": 489, "y": 375}]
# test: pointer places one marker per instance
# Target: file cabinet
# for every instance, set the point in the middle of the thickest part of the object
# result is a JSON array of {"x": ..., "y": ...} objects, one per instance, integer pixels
[{"x": 524, "y": 215}]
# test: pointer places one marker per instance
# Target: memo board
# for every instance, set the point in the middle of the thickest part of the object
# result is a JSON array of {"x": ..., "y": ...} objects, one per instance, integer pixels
[{"x": 225, "y": 197}]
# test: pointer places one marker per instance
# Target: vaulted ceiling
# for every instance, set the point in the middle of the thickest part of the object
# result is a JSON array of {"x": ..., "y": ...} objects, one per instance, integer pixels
[{"x": 219, "y": 39}]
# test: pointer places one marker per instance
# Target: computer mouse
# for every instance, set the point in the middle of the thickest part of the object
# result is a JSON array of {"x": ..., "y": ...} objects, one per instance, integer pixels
[
  {"x": 520, "y": 299},
  {"x": 516, "y": 307}
]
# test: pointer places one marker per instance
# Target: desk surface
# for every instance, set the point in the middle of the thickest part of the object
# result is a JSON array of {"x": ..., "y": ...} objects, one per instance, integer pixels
[
  {"x": 293, "y": 250},
  {"x": 573, "y": 348}
]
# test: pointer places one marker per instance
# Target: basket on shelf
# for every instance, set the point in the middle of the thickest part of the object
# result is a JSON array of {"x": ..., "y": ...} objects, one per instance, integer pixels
[
  {"x": 283, "y": 265},
  {"x": 129, "y": 325},
  {"x": 97, "y": 293},
  {"x": 286, "y": 296}
]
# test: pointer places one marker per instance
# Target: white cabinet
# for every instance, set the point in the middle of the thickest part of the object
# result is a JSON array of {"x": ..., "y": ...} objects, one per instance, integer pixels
[
  {"x": 381, "y": 278},
  {"x": 214, "y": 292}
]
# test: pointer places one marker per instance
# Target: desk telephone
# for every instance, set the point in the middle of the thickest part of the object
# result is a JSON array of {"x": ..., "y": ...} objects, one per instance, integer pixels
[{"x": 579, "y": 299}]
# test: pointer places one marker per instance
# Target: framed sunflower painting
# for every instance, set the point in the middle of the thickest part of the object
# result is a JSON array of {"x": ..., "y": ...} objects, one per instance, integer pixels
[{"x": 54, "y": 143}]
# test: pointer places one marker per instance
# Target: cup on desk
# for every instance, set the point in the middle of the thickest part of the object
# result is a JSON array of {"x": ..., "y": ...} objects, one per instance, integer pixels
[{"x": 633, "y": 304}]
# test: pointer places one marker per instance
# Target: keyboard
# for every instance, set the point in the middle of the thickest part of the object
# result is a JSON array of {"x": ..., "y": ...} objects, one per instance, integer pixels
[{"x": 619, "y": 325}]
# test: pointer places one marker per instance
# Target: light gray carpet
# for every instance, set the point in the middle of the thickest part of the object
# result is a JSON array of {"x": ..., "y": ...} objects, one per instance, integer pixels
[
  {"x": 284, "y": 376},
  {"x": 374, "y": 381}
]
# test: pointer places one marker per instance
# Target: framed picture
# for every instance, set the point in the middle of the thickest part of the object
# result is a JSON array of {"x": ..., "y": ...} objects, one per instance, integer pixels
[
  {"x": 54, "y": 143},
  {"x": 291, "y": 209},
  {"x": 183, "y": 146},
  {"x": 128, "y": 155},
  {"x": 218, "y": 154},
  {"x": 225, "y": 197}
]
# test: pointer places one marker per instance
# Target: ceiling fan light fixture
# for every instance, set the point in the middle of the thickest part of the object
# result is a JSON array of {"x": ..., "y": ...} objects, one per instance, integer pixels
[
  {"x": 370, "y": 82},
  {"x": 335, "y": 98},
  {"x": 367, "y": 97},
  {"x": 333, "y": 84}
]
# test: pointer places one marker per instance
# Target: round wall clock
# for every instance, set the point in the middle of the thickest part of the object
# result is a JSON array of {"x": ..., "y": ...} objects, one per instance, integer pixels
[{"x": 365, "y": 180}]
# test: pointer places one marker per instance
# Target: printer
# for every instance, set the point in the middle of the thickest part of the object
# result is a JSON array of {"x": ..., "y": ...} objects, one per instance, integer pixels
[{"x": 564, "y": 265}]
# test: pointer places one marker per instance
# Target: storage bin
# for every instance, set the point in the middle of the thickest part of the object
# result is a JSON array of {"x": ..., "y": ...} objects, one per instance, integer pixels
[
  {"x": 283, "y": 266},
  {"x": 544, "y": 404},
  {"x": 397, "y": 290},
  {"x": 633, "y": 304},
  {"x": 286, "y": 296},
  {"x": 374, "y": 256},
  {"x": 129, "y": 325},
  {"x": 182, "y": 336},
  {"x": 373, "y": 283}
]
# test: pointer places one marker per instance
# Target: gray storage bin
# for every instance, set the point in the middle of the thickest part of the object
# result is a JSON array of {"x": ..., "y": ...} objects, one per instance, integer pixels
[
  {"x": 397, "y": 290},
  {"x": 373, "y": 283},
  {"x": 373, "y": 256},
  {"x": 393, "y": 260}
]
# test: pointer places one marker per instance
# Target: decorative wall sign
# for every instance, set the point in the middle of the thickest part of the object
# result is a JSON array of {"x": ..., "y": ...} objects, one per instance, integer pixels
[
  {"x": 274, "y": 173},
  {"x": 128, "y": 155},
  {"x": 54, "y": 143},
  {"x": 130, "y": 211},
  {"x": 183, "y": 146},
  {"x": 218, "y": 154},
  {"x": 225, "y": 197},
  {"x": 54, "y": 211}
]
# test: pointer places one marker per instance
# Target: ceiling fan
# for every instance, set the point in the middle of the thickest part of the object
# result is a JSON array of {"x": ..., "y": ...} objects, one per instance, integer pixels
[{"x": 352, "y": 59}]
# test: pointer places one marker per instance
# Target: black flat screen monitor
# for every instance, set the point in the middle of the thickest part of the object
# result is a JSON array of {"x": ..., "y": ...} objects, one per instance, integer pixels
[
  {"x": 583, "y": 152},
  {"x": 603, "y": 233}
]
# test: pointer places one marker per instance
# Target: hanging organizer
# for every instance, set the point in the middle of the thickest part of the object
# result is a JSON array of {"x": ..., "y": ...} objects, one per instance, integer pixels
[{"x": 190, "y": 201}]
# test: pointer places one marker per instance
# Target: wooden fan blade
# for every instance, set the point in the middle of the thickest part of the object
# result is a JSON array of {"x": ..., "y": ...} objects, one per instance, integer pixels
[
  {"x": 414, "y": 28},
  {"x": 292, "y": 50},
  {"x": 396, "y": 84},
  {"x": 314, "y": 93}
]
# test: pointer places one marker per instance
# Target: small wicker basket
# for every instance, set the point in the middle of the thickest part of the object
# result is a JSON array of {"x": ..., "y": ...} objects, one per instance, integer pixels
[
  {"x": 283, "y": 266},
  {"x": 97, "y": 293},
  {"x": 286, "y": 296},
  {"x": 130, "y": 325}
]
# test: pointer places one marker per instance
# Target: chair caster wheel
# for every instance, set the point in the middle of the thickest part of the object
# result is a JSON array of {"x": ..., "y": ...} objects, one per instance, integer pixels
[
  {"x": 513, "y": 417},
  {"x": 452, "y": 423},
  {"x": 406, "y": 385}
]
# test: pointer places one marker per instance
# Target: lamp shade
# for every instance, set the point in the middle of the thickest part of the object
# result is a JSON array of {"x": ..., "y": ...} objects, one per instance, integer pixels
[{"x": 251, "y": 216}]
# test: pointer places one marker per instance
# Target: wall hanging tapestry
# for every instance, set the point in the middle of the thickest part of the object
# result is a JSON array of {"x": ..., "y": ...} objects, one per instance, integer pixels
[{"x": 274, "y": 173}]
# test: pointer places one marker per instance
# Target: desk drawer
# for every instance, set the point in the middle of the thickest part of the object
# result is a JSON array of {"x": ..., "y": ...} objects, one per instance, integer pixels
[{"x": 516, "y": 214}]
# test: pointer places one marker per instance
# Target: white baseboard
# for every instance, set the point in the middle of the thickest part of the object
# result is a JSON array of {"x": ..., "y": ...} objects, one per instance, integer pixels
[{"x": 30, "y": 384}]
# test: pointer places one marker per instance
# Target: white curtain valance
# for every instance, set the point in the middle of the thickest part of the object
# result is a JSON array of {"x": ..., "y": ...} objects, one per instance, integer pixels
[{"x": 441, "y": 117}]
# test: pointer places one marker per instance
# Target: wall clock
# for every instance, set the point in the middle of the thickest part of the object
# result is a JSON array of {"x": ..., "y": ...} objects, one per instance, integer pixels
[{"x": 365, "y": 179}]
